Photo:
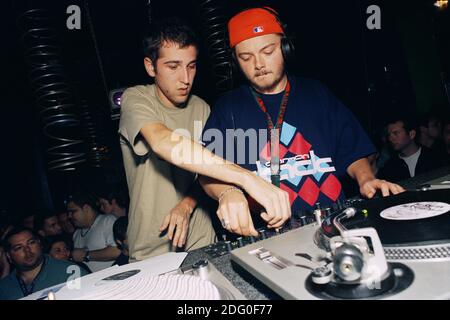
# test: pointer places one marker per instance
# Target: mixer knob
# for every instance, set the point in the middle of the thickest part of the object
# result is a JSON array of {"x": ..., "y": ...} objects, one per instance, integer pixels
[
  {"x": 240, "y": 242},
  {"x": 263, "y": 234},
  {"x": 303, "y": 220},
  {"x": 321, "y": 275},
  {"x": 228, "y": 245}
]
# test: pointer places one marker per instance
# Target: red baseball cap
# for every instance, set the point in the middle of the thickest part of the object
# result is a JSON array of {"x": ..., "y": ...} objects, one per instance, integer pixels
[{"x": 253, "y": 23}]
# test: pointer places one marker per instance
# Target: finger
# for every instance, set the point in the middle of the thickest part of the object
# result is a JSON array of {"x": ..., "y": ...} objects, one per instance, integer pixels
[
  {"x": 287, "y": 201},
  {"x": 233, "y": 216},
  {"x": 276, "y": 204},
  {"x": 384, "y": 189},
  {"x": 183, "y": 235},
  {"x": 165, "y": 223},
  {"x": 252, "y": 229},
  {"x": 270, "y": 210},
  {"x": 396, "y": 189},
  {"x": 278, "y": 214},
  {"x": 277, "y": 223},
  {"x": 172, "y": 226},
  {"x": 285, "y": 206},
  {"x": 264, "y": 216},
  {"x": 370, "y": 191},
  {"x": 225, "y": 219},
  {"x": 245, "y": 222},
  {"x": 219, "y": 214},
  {"x": 178, "y": 231}
]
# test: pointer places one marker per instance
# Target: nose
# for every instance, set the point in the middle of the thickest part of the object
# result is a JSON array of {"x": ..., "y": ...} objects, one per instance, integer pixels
[
  {"x": 259, "y": 62},
  {"x": 27, "y": 249},
  {"x": 186, "y": 76}
]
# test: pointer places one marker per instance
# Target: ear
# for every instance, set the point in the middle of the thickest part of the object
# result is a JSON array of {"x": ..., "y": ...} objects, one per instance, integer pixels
[
  {"x": 150, "y": 67},
  {"x": 412, "y": 134},
  {"x": 86, "y": 208},
  {"x": 41, "y": 233}
]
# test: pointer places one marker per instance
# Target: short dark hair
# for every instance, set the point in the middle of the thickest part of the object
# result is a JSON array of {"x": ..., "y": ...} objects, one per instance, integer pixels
[
  {"x": 168, "y": 30},
  {"x": 83, "y": 198},
  {"x": 114, "y": 192},
  {"x": 120, "y": 229},
  {"x": 408, "y": 123},
  {"x": 51, "y": 240},
  {"x": 40, "y": 220},
  {"x": 13, "y": 232}
]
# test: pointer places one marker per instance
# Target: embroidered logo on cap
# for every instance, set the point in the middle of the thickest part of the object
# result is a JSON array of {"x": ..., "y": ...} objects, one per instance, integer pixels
[{"x": 258, "y": 29}]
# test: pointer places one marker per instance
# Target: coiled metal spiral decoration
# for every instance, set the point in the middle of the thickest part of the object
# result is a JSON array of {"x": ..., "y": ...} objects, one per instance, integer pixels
[
  {"x": 51, "y": 91},
  {"x": 218, "y": 49}
]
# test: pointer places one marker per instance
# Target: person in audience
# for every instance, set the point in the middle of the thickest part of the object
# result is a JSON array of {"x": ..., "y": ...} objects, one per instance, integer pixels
[
  {"x": 34, "y": 271},
  {"x": 28, "y": 220},
  {"x": 5, "y": 267},
  {"x": 446, "y": 138},
  {"x": 430, "y": 132},
  {"x": 60, "y": 247},
  {"x": 411, "y": 159},
  {"x": 47, "y": 225},
  {"x": 113, "y": 201},
  {"x": 93, "y": 240},
  {"x": 120, "y": 236},
  {"x": 65, "y": 223}
]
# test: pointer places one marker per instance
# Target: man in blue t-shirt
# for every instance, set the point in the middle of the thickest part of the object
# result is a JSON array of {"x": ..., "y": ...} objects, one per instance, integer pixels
[
  {"x": 291, "y": 131},
  {"x": 34, "y": 271}
]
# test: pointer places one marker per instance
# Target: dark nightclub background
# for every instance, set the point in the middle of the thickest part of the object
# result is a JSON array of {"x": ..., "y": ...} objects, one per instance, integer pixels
[{"x": 56, "y": 117}]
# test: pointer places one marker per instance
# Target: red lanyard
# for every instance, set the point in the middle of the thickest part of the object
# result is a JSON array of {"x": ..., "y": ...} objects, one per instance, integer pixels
[
  {"x": 282, "y": 111},
  {"x": 275, "y": 132}
]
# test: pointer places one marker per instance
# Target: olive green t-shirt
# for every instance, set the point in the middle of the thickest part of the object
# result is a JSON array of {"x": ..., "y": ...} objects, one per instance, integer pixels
[{"x": 155, "y": 185}]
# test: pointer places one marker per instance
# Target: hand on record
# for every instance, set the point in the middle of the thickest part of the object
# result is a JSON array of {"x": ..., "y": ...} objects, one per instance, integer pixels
[
  {"x": 274, "y": 200},
  {"x": 177, "y": 224},
  {"x": 369, "y": 188},
  {"x": 235, "y": 215}
]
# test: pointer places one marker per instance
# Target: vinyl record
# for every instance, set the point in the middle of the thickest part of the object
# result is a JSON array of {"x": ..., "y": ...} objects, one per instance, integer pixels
[{"x": 418, "y": 229}]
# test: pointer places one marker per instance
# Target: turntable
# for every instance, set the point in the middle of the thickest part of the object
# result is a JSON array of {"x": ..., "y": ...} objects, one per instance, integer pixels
[{"x": 388, "y": 248}]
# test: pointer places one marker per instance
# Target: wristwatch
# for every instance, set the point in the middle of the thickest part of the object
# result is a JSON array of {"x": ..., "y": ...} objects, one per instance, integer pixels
[{"x": 86, "y": 257}]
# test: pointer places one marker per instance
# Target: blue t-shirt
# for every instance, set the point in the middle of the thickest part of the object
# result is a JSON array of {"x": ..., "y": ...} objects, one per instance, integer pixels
[
  {"x": 53, "y": 272},
  {"x": 319, "y": 139}
]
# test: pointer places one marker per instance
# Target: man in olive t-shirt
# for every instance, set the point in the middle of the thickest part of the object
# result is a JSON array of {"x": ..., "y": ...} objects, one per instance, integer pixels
[
  {"x": 155, "y": 185},
  {"x": 162, "y": 196}
]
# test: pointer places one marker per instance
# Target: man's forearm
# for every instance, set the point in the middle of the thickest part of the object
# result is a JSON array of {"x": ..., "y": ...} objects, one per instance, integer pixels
[
  {"x": 213, "y": 187},
  {"x": 193, "y": 157},
  {"x": 361, "y": 171},
  {"x": 105, "y": 254}
]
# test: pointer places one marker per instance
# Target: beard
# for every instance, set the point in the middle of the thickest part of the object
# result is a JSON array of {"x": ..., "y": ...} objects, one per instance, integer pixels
[
  {"x": 268, "y": 83},
  {"x": 32, "y": 265}
]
